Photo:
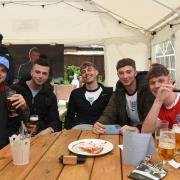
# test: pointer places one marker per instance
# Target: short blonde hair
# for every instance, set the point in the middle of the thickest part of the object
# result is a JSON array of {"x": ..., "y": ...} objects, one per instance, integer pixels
[{"x": 87, "y": 64}]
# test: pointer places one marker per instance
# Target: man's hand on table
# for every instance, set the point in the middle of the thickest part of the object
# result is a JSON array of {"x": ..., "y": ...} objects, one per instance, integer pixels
[
  {"x": 99, "y": 128},
  {"x": 45, "y": 131}
]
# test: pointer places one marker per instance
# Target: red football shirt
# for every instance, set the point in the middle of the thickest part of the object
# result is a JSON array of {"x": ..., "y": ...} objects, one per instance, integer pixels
[{"x": 171, "y": 114}]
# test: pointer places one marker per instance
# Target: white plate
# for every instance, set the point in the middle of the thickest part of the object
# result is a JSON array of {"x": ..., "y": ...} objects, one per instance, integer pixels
[{"x": 76, "y": 146}]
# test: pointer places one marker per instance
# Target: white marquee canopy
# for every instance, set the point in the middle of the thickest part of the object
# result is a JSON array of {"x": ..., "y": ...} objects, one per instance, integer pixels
[{"x": 123, "y": 27}]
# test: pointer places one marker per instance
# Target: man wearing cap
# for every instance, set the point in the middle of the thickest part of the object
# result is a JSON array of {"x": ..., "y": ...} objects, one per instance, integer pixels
[
  {"x": 4, "y": 51},
  {"x": 9, "y": 125}
]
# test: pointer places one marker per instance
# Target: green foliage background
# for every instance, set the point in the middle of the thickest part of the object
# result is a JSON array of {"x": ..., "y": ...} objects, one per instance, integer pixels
[{"x": 69, "y": 72}]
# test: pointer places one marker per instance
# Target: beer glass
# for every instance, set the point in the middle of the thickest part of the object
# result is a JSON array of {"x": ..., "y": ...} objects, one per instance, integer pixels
[
  {"x": 159, "y": 125},
  {"x": 12, "y": 111},
  {"x": 33, "y": 125},
  {"x": 166, "y": 146},
  {"x": 176, "y": 128}
]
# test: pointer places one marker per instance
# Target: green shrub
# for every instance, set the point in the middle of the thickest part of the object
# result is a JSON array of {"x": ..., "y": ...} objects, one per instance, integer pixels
[{"x": 69, "y": 72}]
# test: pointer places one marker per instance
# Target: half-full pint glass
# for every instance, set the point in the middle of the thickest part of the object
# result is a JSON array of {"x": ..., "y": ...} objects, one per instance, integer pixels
[
  {"x": 159, "y": 125},
  {"x": 166, "y": 147},
  {"x": 33, "y": 124}
]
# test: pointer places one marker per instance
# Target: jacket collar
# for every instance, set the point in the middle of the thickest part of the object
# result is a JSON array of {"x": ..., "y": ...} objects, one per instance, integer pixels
[
  {"x": 99, "y": 84},
  {"x": 44, "y": 90}
]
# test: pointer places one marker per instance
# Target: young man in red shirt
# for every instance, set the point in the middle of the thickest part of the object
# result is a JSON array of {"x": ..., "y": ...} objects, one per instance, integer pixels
[{"x": 166, "y": 106}]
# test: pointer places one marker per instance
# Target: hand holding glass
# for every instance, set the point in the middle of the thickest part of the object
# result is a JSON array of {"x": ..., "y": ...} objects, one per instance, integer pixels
[{"x": 12, "y": 111}]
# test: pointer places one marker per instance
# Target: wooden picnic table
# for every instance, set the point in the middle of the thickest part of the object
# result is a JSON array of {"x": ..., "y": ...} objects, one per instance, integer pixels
[{"x": 44, "y": 163}]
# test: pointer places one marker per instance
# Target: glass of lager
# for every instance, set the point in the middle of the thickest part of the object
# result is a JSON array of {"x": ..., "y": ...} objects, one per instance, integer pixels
[
  {"x": 176, "y": 128},
  {"x": 33, "y": 125},
  {"x": 159, "y": 125},
  {"x": 166, "y": 146},
  {"x": 12, "y": 111}
]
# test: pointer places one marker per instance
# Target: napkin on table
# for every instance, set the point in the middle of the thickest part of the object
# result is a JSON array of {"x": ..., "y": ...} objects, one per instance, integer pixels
[{"x": 136, "y": 146}]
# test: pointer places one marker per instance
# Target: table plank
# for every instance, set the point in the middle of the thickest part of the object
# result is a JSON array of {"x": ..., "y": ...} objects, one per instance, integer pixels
[
  {"x": 49, "y": 166},
  {"x": 5, "y": 157},
  {"x": 108, "y": 166},
  {"x": 84, "y": 170},
  {"x": 39, "y": 147},
  {"x": 173, "y": 174}
]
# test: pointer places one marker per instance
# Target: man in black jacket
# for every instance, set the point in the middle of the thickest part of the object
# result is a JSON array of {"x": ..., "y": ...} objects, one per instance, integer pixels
[
  {"x": 40, "y": 97},
  {"x": 87, "y": 103},
  {"x": 131, "y": 101},
  {"x": 9, "y": 125}
]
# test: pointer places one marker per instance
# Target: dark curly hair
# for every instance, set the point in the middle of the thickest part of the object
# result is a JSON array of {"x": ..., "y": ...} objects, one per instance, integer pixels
[{"x": 157, "y": 71}]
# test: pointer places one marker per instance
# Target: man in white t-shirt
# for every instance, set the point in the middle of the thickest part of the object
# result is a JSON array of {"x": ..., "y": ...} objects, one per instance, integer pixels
[
  {"x": 87, "y": 103},
  {"x": 130, "y": 102}
]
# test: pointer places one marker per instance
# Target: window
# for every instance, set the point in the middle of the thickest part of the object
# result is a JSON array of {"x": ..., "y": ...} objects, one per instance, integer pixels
[{"x": 165, "y": 54}]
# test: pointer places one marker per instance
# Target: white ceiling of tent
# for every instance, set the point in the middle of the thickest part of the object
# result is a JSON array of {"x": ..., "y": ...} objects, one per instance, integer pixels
[
  {"x": 143, "y": 13},
  {"x": 71, "y": 21}
]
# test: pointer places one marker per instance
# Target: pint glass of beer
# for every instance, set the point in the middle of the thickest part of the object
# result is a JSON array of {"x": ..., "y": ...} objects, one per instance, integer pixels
[
  {"x": 12, "y": 111},
  {"x": 33, "y": 125},
  {"x": 176, "y": 128},
  {"x": 159, "y": 125},
  {"x": 166, "y": 147}
]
